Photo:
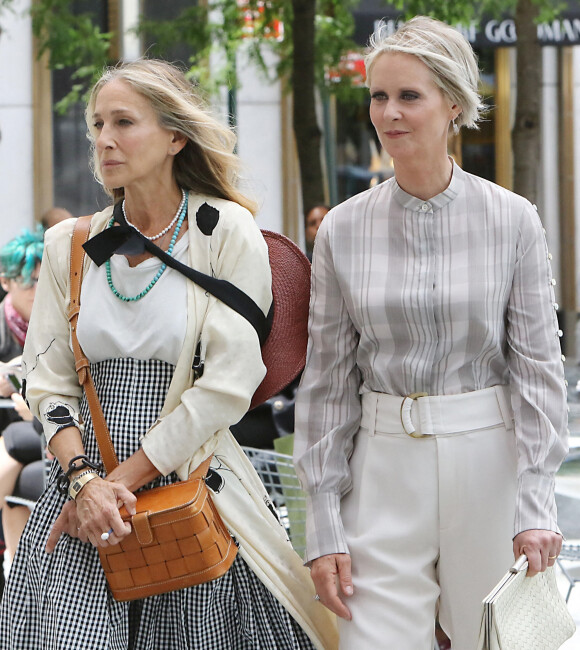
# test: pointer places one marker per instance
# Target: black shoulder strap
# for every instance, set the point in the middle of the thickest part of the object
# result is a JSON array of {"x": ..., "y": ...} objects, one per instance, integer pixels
[
  {"x": 102, "y": 246},
  {"x": 225, "y": 291}
]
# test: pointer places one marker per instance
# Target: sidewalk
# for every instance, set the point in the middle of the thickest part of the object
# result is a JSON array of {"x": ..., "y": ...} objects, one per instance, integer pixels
[{"x": 568, "y": 496}]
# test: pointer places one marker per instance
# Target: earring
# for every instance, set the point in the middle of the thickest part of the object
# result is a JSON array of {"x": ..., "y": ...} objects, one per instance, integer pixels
[{"x": 455, "y": 127}]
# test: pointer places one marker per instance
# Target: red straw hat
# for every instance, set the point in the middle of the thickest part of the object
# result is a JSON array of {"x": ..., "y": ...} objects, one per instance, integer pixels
[{"x": 284, "y": 352}]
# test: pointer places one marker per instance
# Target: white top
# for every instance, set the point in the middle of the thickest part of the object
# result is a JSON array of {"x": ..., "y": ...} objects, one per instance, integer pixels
[
  {"x": 444, "y": 296},
  {"x": 151, "y": 328}
]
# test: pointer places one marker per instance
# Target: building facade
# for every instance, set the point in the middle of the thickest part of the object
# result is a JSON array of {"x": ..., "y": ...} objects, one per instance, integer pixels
[{"x": 44, "y": 156}]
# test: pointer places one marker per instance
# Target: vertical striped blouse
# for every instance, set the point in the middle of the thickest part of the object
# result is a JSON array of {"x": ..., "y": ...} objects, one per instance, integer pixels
[{"x": 443, "y": 296}]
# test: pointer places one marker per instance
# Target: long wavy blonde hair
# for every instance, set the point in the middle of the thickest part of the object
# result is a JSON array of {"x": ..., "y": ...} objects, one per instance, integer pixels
[{"x": 207, "y": 164}]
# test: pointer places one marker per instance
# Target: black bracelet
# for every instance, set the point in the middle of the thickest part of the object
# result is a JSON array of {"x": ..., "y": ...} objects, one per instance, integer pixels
[{"x": 63, "y": 481}]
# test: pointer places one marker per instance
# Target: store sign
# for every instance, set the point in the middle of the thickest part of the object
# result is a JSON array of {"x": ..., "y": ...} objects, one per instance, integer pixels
[
  {"x": 564, "y": 31},
  {"x": 501, "y": 33}
]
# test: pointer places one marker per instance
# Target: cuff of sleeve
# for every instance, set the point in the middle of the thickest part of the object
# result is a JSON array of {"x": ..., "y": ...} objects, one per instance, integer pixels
[
  {"x": 169, "y": 458},
  {"x": 57, "y": 413},
  {"x": 536, "y": 503},
  {"x": 324, "y": 528}
]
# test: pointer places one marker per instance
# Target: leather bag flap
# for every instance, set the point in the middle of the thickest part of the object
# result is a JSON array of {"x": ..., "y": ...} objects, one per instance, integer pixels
[{"x": 142, "y": 528}]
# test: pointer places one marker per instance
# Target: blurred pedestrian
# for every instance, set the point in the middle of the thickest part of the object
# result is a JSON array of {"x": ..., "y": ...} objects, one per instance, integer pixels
[
  {"x": 19, "y": 267},
  {"x": 431, "y": 416},
  {"x": 312, "y": 223},
  {"x": 52, "y": 216}
]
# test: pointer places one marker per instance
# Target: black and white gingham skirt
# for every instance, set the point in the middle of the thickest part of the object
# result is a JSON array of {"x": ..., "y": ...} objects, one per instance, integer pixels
[{"x": 61, "y": 601}]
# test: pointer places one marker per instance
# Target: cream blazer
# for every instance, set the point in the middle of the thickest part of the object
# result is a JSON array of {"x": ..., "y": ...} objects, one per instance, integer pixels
[{"x": 195, "y": 418}]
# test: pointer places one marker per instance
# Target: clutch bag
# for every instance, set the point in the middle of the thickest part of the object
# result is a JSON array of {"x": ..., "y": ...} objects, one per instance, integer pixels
[{"x": 522, "y": 613}]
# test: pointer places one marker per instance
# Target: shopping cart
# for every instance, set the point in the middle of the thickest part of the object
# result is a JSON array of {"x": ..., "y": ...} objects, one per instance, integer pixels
[{"x": 279, "y": 478}]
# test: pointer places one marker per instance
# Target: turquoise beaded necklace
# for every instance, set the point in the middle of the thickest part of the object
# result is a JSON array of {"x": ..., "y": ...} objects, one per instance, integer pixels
[{"x": 159, "y": 273}]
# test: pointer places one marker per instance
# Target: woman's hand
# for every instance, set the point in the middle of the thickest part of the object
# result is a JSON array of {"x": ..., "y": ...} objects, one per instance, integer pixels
[
  {"x": 66, "y": 522},
  {"x": 95, "y": 511},
  {"x": 541, "y": 547},
  {"x": 6, "y": 386},
  {"x": 21, "y": 408},
  {"x": 329, "y": 573}
]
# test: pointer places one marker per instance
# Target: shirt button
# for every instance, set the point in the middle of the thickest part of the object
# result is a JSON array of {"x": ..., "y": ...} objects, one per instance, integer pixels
[
  {"x": 563, "y": 358},
  {"x": 560, "y": 333},
  {"x": 549, "y": 256},
  {"x": 553, "y": 282},
  {"x": 425, "y": 207}
]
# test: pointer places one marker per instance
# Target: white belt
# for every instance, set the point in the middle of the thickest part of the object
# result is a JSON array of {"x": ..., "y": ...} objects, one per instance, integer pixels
[{"x": 420, "y": 415}]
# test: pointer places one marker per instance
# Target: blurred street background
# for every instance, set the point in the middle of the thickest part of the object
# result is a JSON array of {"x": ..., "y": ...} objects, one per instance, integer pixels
[{"x": 568, "y": 495}]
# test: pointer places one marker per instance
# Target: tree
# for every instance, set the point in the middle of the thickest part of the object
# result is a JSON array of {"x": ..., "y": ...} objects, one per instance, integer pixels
[
  {"x": 316, "y": 35},
  {"x": 526, "y": 131}
]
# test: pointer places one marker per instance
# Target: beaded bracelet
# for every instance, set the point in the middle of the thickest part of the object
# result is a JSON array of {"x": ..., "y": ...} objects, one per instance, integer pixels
[{"x": 63, "y": 481}]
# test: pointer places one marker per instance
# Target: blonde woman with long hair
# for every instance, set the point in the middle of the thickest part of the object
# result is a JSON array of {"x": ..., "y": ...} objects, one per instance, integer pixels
[{"x": 169, "y": 167}]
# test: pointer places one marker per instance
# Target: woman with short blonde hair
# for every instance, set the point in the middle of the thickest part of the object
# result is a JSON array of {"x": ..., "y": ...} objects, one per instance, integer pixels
[{"x": 431, "y": 416}]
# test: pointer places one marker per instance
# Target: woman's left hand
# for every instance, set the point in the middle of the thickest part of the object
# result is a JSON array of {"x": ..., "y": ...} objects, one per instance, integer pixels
[
  {"x": 95, "y": 511},
  {"x": 67, "y": 522},
  {"x": 541, "y": 547}
]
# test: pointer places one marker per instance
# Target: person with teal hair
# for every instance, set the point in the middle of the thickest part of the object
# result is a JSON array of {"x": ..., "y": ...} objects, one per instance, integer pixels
[
  {"x": 19, "y": 266},
  {"x": 20, "y": 444},
  {"x": 21, "y": 255}
]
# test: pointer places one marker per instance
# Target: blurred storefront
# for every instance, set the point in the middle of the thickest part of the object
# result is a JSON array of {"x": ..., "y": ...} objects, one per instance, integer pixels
[{"x": 44, "y": 155}]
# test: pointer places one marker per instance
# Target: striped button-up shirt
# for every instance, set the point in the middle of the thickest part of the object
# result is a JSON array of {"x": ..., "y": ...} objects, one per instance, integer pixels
[{"x": 443, "y": 296}]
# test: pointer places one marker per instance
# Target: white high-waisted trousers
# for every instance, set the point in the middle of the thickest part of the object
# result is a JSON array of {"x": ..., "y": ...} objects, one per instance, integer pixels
[{"x": 429, "y": 521}]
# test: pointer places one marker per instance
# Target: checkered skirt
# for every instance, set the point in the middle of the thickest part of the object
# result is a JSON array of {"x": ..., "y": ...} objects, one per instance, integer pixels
[{"x": 61, "y": 601}]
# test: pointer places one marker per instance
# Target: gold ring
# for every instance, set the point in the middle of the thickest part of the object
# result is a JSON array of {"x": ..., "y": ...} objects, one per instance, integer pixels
[{"x": 552, "y": 557}]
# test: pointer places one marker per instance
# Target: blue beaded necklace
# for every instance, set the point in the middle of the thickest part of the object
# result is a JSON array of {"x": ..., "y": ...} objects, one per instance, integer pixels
[{"x": 159, "y": 273}]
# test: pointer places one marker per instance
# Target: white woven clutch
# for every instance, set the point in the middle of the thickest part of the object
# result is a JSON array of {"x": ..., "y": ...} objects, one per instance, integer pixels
[{"x": 522, "y": 613}]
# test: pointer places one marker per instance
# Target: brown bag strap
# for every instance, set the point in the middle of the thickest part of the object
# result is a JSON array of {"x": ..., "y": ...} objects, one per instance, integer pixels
[{"x": 77, "y": 256}]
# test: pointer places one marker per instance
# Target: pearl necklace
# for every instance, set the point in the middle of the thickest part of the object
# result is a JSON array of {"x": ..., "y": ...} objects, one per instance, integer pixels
[
  {"x": 175, "y": 218},
  {"x": 116, "y": 292}
]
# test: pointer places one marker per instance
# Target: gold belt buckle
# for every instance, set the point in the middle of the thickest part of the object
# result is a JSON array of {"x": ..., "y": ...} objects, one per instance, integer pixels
[{"x": 405, "y": 414}]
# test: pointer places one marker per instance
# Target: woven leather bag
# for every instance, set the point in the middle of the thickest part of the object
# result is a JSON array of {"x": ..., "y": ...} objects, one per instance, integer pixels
[
  {"x": 523, "y": 613},
  {"x": 178, "y": 538}
]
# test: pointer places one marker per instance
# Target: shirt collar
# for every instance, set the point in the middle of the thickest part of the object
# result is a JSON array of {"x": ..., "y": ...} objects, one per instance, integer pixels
[{"x": 436, "y": 202}]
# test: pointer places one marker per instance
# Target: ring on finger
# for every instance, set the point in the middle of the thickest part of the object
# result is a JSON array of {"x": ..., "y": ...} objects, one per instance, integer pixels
[{"x": 552, "y": 557}]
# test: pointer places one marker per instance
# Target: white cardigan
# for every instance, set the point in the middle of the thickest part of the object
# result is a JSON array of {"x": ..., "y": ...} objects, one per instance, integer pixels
[{"x": 195, "y": 418}]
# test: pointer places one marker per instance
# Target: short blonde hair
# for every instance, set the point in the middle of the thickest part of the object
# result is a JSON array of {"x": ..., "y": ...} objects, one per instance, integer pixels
[
  {"x": 207, "y": 164},
  {"x": 447, "y": 54}
]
